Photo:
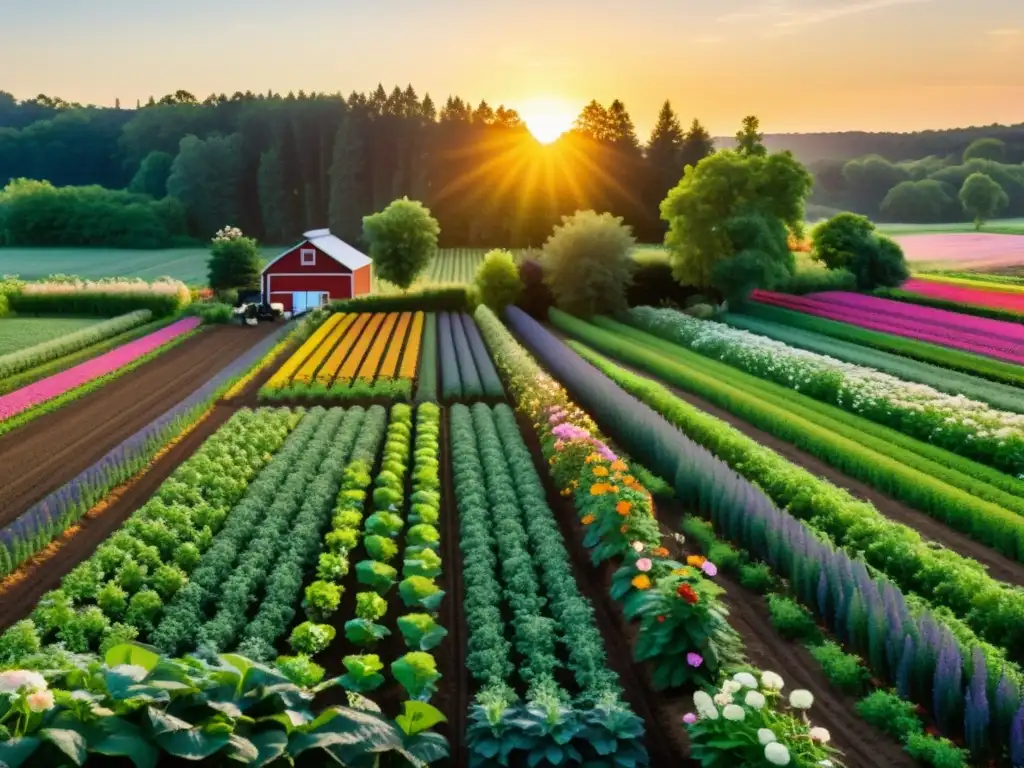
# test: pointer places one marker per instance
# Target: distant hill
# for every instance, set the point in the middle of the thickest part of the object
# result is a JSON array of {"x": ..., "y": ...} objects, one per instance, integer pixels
[{"x": 812, "y": 147}]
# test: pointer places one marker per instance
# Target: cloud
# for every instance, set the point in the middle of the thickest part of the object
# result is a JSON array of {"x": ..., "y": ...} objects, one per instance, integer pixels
[
  {"x": 1003, "y": 32},
  {"x": 781, "y": 14}
]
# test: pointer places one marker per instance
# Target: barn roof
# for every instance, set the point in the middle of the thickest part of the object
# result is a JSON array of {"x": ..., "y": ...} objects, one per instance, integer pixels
[{"x": 337, "y": 249}]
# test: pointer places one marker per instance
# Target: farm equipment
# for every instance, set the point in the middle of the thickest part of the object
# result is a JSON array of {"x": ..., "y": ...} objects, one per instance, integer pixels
[{"x": 250, "y": 309}]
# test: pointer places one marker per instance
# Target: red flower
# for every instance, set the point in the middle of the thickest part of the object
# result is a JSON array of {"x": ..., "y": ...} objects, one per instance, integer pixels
[
  {"x": 686, "y": 592},
  {"x": 661, "y": 619}
]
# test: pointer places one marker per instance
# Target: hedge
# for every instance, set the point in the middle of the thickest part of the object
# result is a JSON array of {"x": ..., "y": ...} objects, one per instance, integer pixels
[
  {"x": 430, "y": 300},
  {"x": 83, "y": 304}
]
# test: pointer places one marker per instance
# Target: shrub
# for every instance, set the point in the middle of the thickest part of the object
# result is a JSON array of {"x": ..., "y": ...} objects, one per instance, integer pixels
[
  {"x": 497, "y": 283},
  {"x": 793, "y": 621},
  {"x": 587, "y": 263},
  {"x": 890, "y": 714},
  {"x": 213, "y": 313},
  {"x": 757, "y": 577},
  {"x": 816, "y": 279},
  {"x": 842, "y": 669},
  {"x": 536, "y": 298},
  {"x": 234, "y": 261},
  {"x": 936, "y": 752},
  {"x": 850, "y": 242}
]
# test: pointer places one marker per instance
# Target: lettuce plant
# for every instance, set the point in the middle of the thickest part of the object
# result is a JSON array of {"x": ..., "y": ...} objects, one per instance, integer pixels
[
  {"x": 310, "y": 638},
  {"x": 418, "y": 591},
  {"x": 420, "y": 631},
  {"x": 363, "y": 673},
  {"x": 379, "y": 576},
  {"x": 322, "y": 600},
  {"x": 417, "y": 673}
]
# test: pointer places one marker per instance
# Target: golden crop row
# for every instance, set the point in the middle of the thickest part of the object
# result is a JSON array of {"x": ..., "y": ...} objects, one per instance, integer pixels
[
  {"x": 330, "y": 368},
  {"x": 309, "y": 369},
  {"x": 355, "y": 358},
  {"x": 394, "y": 351},
  {"x": 285, "y": 373},
  {"x": 411, "y": 359},
  {"x": 368, "y": 370}
]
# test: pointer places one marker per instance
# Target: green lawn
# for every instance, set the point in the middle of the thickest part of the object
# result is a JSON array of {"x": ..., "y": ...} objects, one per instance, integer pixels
[
  {"x": 996, "y": 227},
  {"x": 21, "y": 332},
  {"x": 185, "y": 264}
]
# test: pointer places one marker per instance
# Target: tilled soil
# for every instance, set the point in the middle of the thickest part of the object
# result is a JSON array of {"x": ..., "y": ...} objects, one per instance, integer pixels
[{"x": 51, "y": 450}]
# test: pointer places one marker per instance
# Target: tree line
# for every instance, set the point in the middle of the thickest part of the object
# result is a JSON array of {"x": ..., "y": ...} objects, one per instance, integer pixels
[{"x": 277, "y": 165}]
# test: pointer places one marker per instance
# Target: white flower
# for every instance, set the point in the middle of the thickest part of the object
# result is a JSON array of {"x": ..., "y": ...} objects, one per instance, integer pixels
[
  {"x": 754, "y": 699},
  {"x": 733, "y": 712},
  {"x": 821, "y": 734},
  {"x": 765, "y": 735},
  {"x": 638, "y": 546},
  {"x": 40, "y": 701},
  {"x": 721, "y": 699},
  {"x": 826, "y": 763},
  {"x": 15, "y": 680},
  {"x": 776, "y": 753},
  {"x": 771, "y": 681},
  {"x": 801, "y": 699},
  {"x": 705, "y": 706},
  {"x": 731, "y": 686},
  {"x": 134, "y": 671},
  {"x": 745, "y": 679}
]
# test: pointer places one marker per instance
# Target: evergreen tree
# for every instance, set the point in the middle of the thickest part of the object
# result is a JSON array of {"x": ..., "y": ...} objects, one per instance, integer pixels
[
  {"x": 427, "y": 110},
  {"x": 273, "y": 199},
  {"x": 697, "y": 144},
  {"x": 483, "y": 115},
  {"x": 621, "y": 131},
  {"x": 666, "y": 142},
  {"x": 593, "y": 122},
  {"x": 348, "y": 181}
]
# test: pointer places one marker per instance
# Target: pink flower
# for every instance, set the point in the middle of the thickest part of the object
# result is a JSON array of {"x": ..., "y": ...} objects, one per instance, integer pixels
[
  {"x": 694, "y": 659},
  {"x": 709, "y": 568},
  {"x": 689, "y": 718},
  {"x": 644, "y": 564},
  {"x": 40, "y": 701}
]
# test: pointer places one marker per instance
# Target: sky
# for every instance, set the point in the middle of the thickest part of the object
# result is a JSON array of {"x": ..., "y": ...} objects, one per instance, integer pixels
[{"x": 799, "y": 65}]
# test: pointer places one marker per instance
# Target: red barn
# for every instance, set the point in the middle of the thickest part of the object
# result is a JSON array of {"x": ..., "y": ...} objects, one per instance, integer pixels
[{"x": 321, "y": 268}]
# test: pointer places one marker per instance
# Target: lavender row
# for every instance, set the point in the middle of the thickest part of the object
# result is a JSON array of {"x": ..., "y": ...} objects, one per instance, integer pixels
[
  {"x": 471, "y": 386},
  {"x": 489, "y": 379},
  {"x": 451, "y": 384},
  {"x": 966, "y": 693},
  {"x": 41, "y": 523}
]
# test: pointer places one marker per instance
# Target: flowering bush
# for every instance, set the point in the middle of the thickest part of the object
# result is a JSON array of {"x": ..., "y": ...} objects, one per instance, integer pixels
[{"x": 747, "y": 722}]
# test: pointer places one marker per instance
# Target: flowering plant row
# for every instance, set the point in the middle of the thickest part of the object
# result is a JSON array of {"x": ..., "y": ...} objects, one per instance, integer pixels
[
  {"x": 903, "y": 641},
  {"x": 40, "y": 524},
  {"x": 135, "y": 705},
  {"x": 23, "y": 359},
  {"x": 120, "y": 590},
  {"x": 969, "y": 427},
  {"x": 513, "y": 554},
  {"x": 1001, "y": 396}
]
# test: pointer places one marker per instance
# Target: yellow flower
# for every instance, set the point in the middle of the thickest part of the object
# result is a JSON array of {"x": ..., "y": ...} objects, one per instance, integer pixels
[
  {"x": 588, "y": 519},
  {"x": 592, "y": 458},
  {"x": 686, "y": 572},
  {"x": 600, "y": 471},
  {"x": 641, "y": 582},
  {"x": 619, "y": 465},
  {"x": 598, "y": 489},
  {"x": 695, "y": 560}
]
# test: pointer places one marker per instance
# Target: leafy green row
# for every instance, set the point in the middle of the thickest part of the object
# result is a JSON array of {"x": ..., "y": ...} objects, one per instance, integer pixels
[
  {"x": 188, "y": 610},
  {"x": 992, "y": 609},
  {"x": 957, "y": 360},
  {"x": 120, "y": 590},
  {"x": 970, "y": 497},
  {"x": 325, "y": 456},
  {"x": 355, "y": 441},
  {"x": 426, "y": 386},
  {"x": 1000, "y": 395}
]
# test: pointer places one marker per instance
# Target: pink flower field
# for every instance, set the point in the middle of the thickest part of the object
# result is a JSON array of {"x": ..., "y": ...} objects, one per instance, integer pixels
[
  {"x": 962, "y": 294},
  {"x": 993, "y": 338},
  {"x": 54, "y": 386},
  {"x": 971, "y": 250}
]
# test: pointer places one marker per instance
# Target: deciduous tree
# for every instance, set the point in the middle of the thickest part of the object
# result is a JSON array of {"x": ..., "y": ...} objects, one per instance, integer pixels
[
  {"x": 982, "y": 198},
  {"x": 402, "y": 240}
]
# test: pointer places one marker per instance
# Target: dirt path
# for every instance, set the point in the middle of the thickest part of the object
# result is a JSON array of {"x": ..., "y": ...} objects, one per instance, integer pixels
[
  {"x": 49, "y": 451},
  {"x": 999, "y": 566}
]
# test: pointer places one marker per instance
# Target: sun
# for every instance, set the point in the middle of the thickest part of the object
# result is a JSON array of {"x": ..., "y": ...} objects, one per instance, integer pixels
[{"x": 547, "y": 118}]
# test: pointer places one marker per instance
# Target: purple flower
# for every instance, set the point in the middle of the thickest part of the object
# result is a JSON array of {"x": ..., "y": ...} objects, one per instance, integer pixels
[
  {"x": 694, "y": 659},
  {"x": 709, "y": 568},
  {"x": 689, "y": 718}
]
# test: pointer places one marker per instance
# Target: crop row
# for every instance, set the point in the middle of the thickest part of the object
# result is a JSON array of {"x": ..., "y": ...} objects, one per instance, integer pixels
[
  {"x": 119, "y": 592},
  {"x": 906, "y": 638},
  {"x": 23, "y": 359},
  {"x": 990, "y": 607},
  {"x": 967, "y": 427},
  {"x": 916, "y": 349},
  {"x": 980, "y": 501},
  {"x": 40, "y": 524},
  {"x": 426, "y": 387},
  {"x": 467, "y": 370},
  {"x": 682, "y": 631},
  {"x": 354, "y": 355},
  {"x": 1001, "y": 396},
  {"x": 514, "y": 556}
]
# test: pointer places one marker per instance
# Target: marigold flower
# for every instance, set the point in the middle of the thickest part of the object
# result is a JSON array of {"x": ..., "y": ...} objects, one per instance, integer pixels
[
  {"x": 619, "y": 465},
  {"x": 598, "y": 489},
  {"x": 591, "y": 458},
  {"x": 641, "y": 582},
  {"x": 659, "y": 552},
  {"x": 686, "y": 592},
  {"x": 600, "y": 471},
  {"x": 695, "y": 560},
  {"x": 588, "y": 519},
  {"x": 623, "y": 508},
  {"x": 629, "y": 479}
]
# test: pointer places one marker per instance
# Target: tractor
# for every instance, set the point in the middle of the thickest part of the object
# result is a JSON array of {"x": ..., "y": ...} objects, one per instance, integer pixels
[{"x": 250, "y": 309}]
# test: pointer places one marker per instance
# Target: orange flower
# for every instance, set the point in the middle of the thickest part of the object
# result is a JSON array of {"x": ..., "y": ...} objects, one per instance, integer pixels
[
  {"x": 588, "y": 519},
  {"x": 619, "y": 465},
  {"x": 623, "y": 508},
  {"x": 659, "y": 552},
  {"x": 601, "y": 471},
  {"x": 641, "y": 582},
  {"x": 695, "y": 560},
  {"x": 630, "y": 480},
  {"x": 599, "y": 489},
  {"x": 592, "y": 458}
]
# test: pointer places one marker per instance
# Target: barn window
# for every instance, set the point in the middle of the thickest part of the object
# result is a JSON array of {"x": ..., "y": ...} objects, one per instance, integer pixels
[{"x": 308, "y": 257}]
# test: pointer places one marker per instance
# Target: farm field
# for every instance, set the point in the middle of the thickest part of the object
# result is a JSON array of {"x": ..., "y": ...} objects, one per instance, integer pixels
[
  {"x": 381, "y": 515},
  {"x": 967, "y": 250},
  {"x": 995, "y": 226},
  {"x": 20, "y": 332}
]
